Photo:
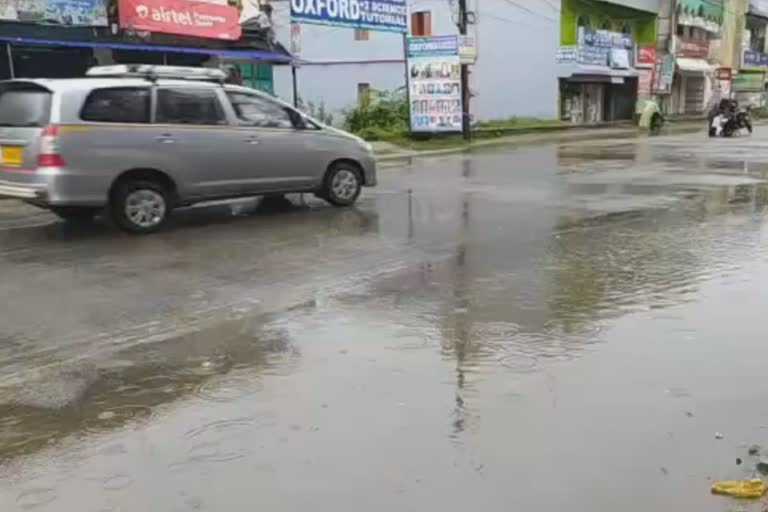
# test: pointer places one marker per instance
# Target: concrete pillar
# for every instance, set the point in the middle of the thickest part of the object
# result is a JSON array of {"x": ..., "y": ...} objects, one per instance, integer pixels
[
  {"x": 665, "y": 25},
  {"x": 734, "y": 23}
]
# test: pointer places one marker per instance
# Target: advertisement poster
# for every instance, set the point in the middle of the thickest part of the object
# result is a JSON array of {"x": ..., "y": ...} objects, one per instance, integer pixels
[
  {"x": 197, "y": 19},
  {"x": 663, "y": 73},
  {"x": 467, "y": 49},
  {"x": 434, "y": 81},
  {"x": 604, "y": 48},
  {"x": 295, "y": 39},
  {"x": 92, "y": 13},
  {"x": 646, "y": 56},
  {"x": 387, "y": 15},
  {"x": 644, "y": 83}
]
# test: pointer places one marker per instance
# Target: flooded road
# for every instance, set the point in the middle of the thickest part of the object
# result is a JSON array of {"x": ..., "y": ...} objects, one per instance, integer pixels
[{"x": 559, "y": 327}]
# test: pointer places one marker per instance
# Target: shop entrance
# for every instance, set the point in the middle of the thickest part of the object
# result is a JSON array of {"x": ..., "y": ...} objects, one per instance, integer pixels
[{"x": 585, "y": 100}]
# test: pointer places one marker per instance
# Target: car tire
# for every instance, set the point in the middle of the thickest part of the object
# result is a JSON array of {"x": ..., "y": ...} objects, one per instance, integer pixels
[
  {"x": 140, "y": 206},
  {"x": 342, "y": 184},
  {"x": 75, "y": 214}
]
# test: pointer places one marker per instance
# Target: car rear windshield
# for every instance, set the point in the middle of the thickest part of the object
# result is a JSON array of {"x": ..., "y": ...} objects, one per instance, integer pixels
[{"x": 24, "y": 106}]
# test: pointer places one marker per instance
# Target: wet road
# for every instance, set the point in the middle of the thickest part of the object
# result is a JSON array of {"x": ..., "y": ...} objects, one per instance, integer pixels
[{"x": 560, "y": 327}]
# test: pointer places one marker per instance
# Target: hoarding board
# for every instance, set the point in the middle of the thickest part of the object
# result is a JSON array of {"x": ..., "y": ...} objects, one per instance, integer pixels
[
  {"x": 434, "y": 82},
  {"x": 90, "y": 13},
  {"x": 190, "y": 18},
  {"x": 386, "y": 15}
]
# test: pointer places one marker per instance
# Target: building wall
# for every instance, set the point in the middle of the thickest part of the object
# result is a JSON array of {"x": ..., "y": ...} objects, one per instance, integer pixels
[
  {"x": 335, "y": 85},
  {"x": 516, "y": 72},
  {"x": 734, "y": 23},
  {"x": 513, "y": 75},
  {"x": 643, "y": 23}
]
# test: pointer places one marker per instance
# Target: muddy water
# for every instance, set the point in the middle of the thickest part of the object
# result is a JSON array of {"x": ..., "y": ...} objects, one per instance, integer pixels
[{"x": 561, "y": 327}]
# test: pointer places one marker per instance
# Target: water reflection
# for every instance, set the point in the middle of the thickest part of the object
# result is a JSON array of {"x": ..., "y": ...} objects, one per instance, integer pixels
[
  {"x": 473, "y": 281},
  {"x": 529, "y": 282},
  {"x": 220, "y": 363}
]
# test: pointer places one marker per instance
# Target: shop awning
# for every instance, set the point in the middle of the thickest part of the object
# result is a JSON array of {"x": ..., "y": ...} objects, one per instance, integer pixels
[
  {"x": 571, "y": 69},
  {"x": 758, "y": 8},
  {"x": 227, "y": 53},
  {"x": 694, "y": 65}
]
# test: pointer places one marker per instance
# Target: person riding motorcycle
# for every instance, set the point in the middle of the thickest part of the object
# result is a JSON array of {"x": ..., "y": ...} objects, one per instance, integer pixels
[
  {"x": 727, "y": 117},
  {"x": 719, "y": 116}
]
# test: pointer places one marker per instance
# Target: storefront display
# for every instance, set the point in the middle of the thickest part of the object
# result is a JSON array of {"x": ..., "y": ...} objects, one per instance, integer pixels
[{"x": 434, "y": 81}]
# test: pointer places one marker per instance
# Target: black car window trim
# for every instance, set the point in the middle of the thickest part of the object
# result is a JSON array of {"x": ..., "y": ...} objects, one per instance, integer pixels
[
  {"x": 149, "y": 104},
  {"x": 244, "y": 122},
  {"x": 224, "y": 121}
]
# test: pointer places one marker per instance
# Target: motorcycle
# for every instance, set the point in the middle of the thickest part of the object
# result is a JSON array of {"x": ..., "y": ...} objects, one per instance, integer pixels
[{"x": 729, "y": 118}]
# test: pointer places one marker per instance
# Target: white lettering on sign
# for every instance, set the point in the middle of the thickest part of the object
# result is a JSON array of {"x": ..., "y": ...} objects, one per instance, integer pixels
[{"x": 368, "y": 11}]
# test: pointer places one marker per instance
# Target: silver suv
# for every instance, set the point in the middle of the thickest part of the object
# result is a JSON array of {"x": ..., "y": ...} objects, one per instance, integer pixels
[{"x": 142, "y": 140}]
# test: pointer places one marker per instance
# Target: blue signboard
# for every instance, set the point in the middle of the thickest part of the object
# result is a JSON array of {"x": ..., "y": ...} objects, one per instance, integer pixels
[
  {"x": 601, "y": 47},
  {"x": 62, "y": 12},
  {"x": 433, "y": 46},
  {"x": 77, "y": 12},
  {"x": 388, "y": 15},
  {"x": 753, "y": 59}
]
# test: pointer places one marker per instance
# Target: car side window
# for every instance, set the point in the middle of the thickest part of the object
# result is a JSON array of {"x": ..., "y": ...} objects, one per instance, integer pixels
[
  {"x": 254, "y": 110},
  {"x": 189, "y": 106},
  {"x": 117, "y": 105}
]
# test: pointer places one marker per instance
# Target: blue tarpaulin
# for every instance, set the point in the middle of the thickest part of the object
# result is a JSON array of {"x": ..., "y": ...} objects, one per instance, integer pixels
[{"x": 239, "y": 53}]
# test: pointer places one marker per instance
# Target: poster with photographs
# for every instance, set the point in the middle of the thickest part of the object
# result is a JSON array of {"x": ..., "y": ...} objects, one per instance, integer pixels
[{"x": 434, "y": 83}]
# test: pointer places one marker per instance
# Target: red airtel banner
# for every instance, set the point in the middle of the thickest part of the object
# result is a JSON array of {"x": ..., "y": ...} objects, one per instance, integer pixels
[{"x": 187, "y": 17}]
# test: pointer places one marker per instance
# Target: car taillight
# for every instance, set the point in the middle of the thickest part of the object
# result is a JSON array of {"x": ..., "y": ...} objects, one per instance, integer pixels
[{"x": 49, "y": 155}]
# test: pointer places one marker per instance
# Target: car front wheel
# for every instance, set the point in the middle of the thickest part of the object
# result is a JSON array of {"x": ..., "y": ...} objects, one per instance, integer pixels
[
  {"x": 342, "y": 184},
  {"x": 140, "y": 206}
]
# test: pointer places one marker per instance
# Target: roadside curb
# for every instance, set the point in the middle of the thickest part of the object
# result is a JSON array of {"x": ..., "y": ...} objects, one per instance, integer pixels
[{"x": 547, "y": 136}]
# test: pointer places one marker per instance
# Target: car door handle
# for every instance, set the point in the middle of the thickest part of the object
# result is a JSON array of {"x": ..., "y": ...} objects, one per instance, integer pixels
[
  {"x": 252, "y": 139},
  {"x": 165, "y": 138}
]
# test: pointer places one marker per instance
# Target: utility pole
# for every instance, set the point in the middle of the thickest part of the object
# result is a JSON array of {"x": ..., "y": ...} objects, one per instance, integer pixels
[{"x": 466, "y": 129}]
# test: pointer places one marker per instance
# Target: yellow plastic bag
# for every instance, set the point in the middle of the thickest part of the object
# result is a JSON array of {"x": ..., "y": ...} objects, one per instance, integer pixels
[{"x": 750, "y": 489}]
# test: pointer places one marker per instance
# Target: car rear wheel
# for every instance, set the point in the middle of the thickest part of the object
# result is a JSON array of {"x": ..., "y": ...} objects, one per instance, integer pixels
[
  {"x": 75, "y": 214},
  {"x": 140, "y": 206},
  {"x": 342, "y": 184}
]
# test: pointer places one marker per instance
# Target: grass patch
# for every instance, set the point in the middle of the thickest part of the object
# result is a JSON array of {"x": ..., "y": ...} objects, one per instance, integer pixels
[{"x": 519, "y": 122}]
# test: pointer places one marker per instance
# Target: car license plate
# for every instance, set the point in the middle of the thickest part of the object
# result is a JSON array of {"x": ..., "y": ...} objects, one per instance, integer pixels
[{"x": 12, "y": 155}]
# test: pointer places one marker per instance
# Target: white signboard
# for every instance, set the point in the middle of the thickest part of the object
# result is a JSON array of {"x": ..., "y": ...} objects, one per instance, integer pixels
[{"x": 434, "y": 81}]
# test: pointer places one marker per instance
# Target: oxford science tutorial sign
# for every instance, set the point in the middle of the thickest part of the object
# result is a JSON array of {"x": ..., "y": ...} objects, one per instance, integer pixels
[{"x": 388, "y": 15}]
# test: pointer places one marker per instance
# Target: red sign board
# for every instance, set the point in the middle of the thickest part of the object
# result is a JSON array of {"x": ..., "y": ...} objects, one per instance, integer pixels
[
  {"x": 724, "y": 74},
  {"x": 186, "y": 17},
  {"x": 646, "y": 55},
  {"x": 692, "y": 48}
]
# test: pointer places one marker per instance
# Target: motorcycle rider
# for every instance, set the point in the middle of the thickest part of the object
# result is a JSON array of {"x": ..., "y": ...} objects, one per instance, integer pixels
[{"x": 724, "y": 111}]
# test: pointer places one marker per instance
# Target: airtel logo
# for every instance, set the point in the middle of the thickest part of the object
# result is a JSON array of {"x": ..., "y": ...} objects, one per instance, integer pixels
[{"x": 142, "y": 11}]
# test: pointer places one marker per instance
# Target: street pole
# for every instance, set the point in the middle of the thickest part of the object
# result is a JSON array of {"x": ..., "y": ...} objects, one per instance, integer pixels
[
  {"x": 407, "y": 81},
  {"x": 466, "y": 130},
  {"x": 295, "y": 86},
  {"x": 9, "y": 53}
]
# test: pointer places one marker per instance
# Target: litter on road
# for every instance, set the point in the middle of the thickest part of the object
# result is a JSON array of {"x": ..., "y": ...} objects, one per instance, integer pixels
[{"x": 748, "y": 489}]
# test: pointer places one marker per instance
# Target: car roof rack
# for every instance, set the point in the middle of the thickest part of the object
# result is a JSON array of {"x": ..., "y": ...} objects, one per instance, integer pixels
[{"x": 153, "y": 73}]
